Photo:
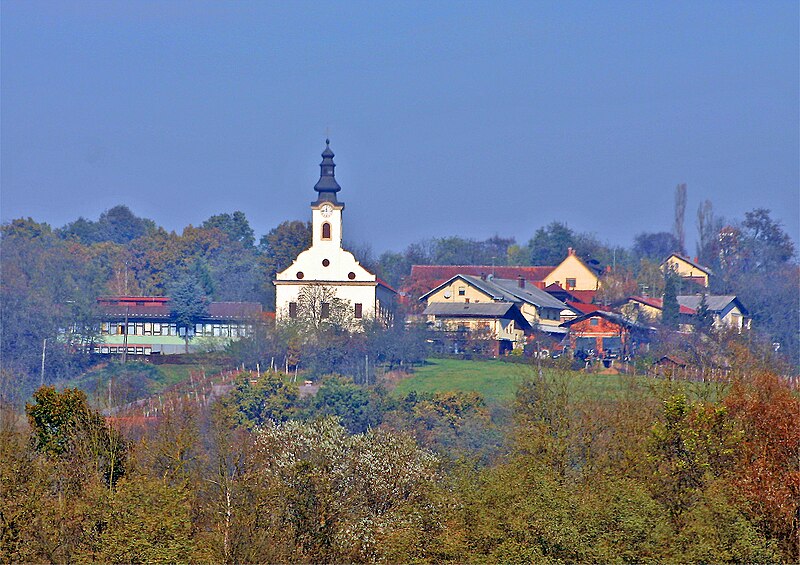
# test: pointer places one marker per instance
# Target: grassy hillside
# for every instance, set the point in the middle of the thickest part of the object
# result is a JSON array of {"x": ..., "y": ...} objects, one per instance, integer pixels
[
  {"x": 497, "y": 380},
  {"x": 134, "y": 380}
]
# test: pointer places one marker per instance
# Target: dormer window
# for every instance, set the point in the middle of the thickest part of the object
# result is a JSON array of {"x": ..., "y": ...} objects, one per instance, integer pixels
[{"x": 326, "y": 231}]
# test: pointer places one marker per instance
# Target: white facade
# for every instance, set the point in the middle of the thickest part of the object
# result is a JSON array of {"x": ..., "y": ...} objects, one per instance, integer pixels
[{"x": 326, "y": 264}]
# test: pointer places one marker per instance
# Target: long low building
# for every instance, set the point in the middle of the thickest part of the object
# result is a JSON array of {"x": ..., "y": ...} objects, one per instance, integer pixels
[{"x": 145, "y": 325}]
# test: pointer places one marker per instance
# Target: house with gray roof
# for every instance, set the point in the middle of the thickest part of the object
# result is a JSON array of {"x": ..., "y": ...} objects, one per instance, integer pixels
[
  {"x": 726, "y": 309},
  {"x": 540, "y": 309}
]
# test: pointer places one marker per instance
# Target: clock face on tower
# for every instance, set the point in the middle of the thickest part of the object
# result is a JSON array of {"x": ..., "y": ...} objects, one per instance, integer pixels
[{"x": 326, "y": 210}]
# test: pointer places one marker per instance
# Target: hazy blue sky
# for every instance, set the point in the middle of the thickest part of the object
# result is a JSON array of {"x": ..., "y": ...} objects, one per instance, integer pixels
[{"x": 467, "y": 118}]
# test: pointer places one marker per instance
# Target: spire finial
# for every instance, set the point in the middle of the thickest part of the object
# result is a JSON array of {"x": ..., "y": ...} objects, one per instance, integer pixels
[{"x": 327, "y": 187}]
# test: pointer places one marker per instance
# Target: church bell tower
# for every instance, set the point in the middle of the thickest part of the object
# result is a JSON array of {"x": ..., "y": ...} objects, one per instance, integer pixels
[{"x": 326, "y": 210}]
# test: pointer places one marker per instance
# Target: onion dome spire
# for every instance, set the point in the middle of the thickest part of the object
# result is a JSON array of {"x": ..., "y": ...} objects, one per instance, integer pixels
[{"x": 326, "y": 186}]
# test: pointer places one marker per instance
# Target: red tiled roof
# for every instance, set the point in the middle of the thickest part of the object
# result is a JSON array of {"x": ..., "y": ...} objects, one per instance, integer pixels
[
  {"x": 585, "y": 296},
  {"x": 383, "y": 283},
  {"x": 587, "y": 308},
  {"x": 658, "y": 303},
  {"x": 440, "y": 273},
  {"x": 158, "y": 307}
]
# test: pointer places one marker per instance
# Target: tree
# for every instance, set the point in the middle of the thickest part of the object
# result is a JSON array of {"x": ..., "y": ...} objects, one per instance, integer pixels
[
  {"x": 65, "y": 427},
  {"x": 357, "y": 407},
  {"x": 689, "y": 447},
  {"x": 188, "y": 302},
  {"x": 318, "y": 308},
  {"x": 670, "y": 313},
  {"x": 268, "y": 400},
  {"x": 708, "y": 227},
  {"x": 770, "y": 245},
  {"x": 279, "y": 248},
  {"x": 117, "y": 225},
  {"x": 549, "y": 244},
  {"x": 704, "y": 319},
  {"x": 767, "y": 412},
  {"x": 680, "y": 215},
  {"x": 655, "y": 246},
  {"x": 234, "y": 225}
]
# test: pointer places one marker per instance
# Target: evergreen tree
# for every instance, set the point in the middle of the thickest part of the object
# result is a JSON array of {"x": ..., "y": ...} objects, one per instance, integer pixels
[
  {"x": 670, "y": 313},
  {"x": 704, "y": 318},
  {"x": 188, "y": 302}
]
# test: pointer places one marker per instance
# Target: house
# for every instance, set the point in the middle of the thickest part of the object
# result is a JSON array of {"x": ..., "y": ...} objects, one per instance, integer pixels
[
  {"x": 573, "y": 274},
  {"x": 648, "y": 310},
  {"x": 726, "y": 309},
  {"x": 144, "y": 325},
  {"x": 541, "y": 310},
  {"x": 500, "y": 326},
  {"x": 325, "y": 275},
  {"x": 687, "y": 269},
  {"x": 606, "y": 334}
]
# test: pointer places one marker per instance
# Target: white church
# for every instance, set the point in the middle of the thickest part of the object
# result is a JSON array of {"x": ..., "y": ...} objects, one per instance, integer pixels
[{"x": 326, "y": 270}]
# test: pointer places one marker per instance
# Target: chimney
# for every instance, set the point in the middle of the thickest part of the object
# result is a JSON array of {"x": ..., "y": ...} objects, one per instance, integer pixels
[
  {"x": 697, "y": 259},
  {"x": 570, "y": 251},
  {"x": 483, "y": 276},
  {"x": 521, "y": 281}
]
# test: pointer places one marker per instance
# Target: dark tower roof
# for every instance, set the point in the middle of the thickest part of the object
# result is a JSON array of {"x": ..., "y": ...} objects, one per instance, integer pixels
[{"x": 326, "y": 186}]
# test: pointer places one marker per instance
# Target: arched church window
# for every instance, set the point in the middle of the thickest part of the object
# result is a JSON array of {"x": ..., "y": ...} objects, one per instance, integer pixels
[{"x": 326, "y": 231}]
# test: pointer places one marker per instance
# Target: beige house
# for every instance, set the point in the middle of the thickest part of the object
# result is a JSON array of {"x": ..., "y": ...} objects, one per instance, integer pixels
[
  {"x": 648, "y": 310},
  {"x": 573, "y": 274},
  {"x": 499, "y": 324},
  {"x": 687, "y": 269},
  {"x": 540, "y": 309}
]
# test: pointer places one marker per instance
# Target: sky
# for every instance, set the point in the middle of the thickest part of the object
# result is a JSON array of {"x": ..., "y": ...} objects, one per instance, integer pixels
[{"x": 447, "y": 118}]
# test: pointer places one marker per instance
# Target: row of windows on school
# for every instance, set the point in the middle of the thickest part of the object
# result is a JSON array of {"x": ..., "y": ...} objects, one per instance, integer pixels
[{"x": 157, "y": 328}]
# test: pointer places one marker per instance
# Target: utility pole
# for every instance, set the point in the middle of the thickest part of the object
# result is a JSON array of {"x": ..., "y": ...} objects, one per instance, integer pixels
[
  {"x": 44, "y": 349},
  {"x": 125, "y": 337}
]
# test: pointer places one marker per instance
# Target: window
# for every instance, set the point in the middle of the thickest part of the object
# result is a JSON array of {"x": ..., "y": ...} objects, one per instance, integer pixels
[
  {"x": 326, "y": 310},
  {"x": 358, "y": 310},
  {"x": 156, "y": 328},
  {"x": 293, "y": 309},
  {"x": 462, "y": 291},
  {"x": 198, "y": 329},
  {"x": 148, "y": 328},
  {"x": 594, "y": 321},
  {"x": 326, "y": 231},
  {"x": 570, "y": 284},
  {"x": 140, "y": 328}
]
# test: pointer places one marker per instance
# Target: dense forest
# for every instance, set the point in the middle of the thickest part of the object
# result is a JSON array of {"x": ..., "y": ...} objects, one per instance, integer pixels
[
  {"x": 652, "y": 470},
  {"x": 658, "y": 470}
]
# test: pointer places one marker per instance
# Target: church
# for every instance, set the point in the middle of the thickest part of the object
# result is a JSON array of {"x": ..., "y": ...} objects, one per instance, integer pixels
[{"x": 326, "y": 281}]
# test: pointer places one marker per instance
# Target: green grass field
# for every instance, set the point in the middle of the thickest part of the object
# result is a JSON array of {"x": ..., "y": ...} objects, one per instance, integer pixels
[{"x": 497, "y": 381}]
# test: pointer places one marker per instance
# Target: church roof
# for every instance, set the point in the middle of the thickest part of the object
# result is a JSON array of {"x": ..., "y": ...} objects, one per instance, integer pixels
[{"x": 326, "y": 186}]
